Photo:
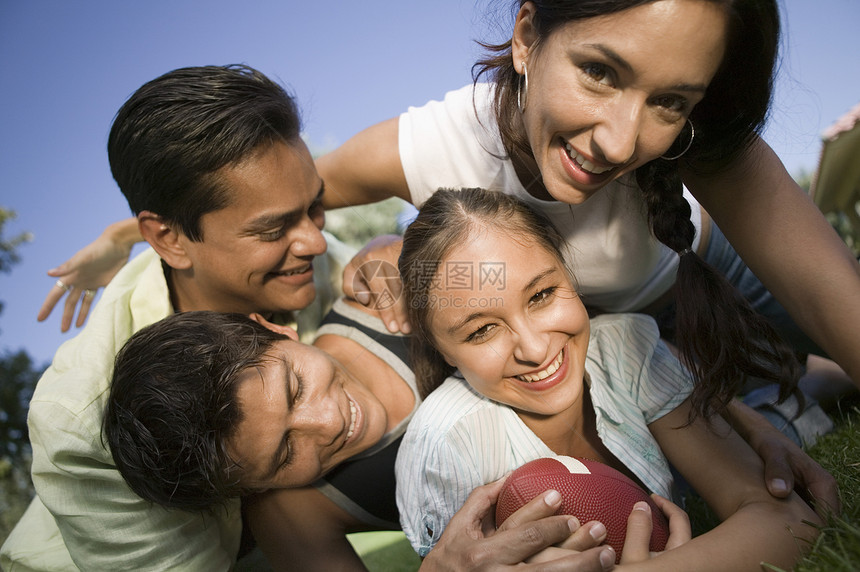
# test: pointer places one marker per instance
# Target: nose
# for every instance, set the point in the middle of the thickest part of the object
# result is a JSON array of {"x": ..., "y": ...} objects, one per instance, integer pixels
[
  {"x": 617, "y": 131},
  {"x": 319, "y": 420},
  {"x": 308, "y": 239},
  {"x": 530, "y": 347}
]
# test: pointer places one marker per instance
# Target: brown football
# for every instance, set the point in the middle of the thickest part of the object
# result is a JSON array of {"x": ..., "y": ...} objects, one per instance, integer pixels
[{"x": 590, "y": 491}]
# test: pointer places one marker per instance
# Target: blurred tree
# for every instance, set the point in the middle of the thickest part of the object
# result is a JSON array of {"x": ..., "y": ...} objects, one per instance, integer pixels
[
  {"x": 357, "y": 225},
  {"x": 18, "y": 378},
  {"x": 9, "y": 246},
  {"x": 17, "y": 375},
  {"x": 804, "y": 179}
]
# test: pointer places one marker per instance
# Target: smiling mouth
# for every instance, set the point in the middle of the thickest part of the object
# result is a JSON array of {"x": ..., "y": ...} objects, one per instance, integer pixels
[
  {"x": 545, "y": 373},
  {"x": 584, "y": 163},
  {"x": 295, "y": 272}
]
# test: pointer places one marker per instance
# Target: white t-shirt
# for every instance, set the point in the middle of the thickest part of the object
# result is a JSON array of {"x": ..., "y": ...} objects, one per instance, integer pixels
[
  {"x": 459, "y": 440},
  {"x": 619, "y": 265}
]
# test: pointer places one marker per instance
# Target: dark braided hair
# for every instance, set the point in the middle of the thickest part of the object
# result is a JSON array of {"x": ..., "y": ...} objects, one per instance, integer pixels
[{"x": 721, "y": 338}]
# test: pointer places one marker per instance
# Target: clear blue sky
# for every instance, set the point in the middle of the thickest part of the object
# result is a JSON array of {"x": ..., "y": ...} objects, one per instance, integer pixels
[{"x": 66, "y": 67}]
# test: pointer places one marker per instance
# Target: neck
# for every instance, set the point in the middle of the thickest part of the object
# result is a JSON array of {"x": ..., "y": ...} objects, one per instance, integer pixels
[
  {"x": 529, "y": 174},
  {"x": 571, "y": 432},
  {"x": 525, "y": 165},
  {"x": 186, "y": 295},
  {"x": 182, "y": 294}
]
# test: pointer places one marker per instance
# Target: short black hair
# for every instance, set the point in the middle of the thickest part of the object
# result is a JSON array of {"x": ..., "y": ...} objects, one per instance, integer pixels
[
  {"x": 170, "y": 138},
  {"x": 172, "y": 406}
]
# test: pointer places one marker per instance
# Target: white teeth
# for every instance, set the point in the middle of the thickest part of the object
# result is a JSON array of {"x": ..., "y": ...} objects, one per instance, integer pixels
[
  {"x": 584, "y": 163},
  {"x": 553, "y": 367},
  {"x": 352, "y": 420},
  {"x": 293, "y": 272}
]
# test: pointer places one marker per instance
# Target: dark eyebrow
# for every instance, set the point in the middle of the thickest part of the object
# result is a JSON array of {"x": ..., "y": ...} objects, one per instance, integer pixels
[
  {"x": 621, "y": 62},
  {"x": 269, "y": 220},
  {"x": 475, "y": 315},
  {"x": 534, "y": 281}
]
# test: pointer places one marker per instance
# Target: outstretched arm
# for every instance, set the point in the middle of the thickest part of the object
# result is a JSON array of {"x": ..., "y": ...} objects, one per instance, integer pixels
[
  {"x": 786, "y": 466},
  {"x": 301, "y": 529},
  {"x": 788, "y": 244},
  {"x": 720, "y": 466},
  {"x": 89, "y": 269},
  {"x": 365, "y": 169}
]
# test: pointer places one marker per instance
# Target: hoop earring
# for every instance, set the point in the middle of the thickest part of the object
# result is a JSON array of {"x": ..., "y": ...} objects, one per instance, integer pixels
[
  {"x": 689, "y": 143},
  {"x": 522, "y": 100}
]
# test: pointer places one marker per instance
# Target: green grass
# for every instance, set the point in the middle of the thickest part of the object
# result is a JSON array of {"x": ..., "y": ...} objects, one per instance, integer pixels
[
  {"x": 385, "y": 551},
  {"x": 837, "y": 548}
]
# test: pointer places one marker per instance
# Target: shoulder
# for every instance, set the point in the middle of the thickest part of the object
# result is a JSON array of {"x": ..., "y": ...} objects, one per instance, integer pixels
[
  {"x": 624, "y": 333},
  {"x": 453, "y": 416},
  {"x": 452, "y": 143},
  {"x": 465, "y": 113},
  {"x": 448, "y": 405},
  {"x": 461, "y": 98},
  {"x": 81, "y": 368},
  {"x": 629, "y": 361}
]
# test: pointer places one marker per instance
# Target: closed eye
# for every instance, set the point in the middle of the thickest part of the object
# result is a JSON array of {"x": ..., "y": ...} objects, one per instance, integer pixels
[
  {"x": 293, "y": 396},
  {"x": 272, "y": 235}
]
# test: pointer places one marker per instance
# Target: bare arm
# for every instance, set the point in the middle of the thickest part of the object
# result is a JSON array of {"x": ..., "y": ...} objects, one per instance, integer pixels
[
  {"x": 788, "y": 244},
  {"x": 365, "y": 169},
  {"x": 783, "y": 460},
  {"x": 301, "y": 529},
  {"x": 89, "y": 269},
  {"x": 755, "y": 527}
]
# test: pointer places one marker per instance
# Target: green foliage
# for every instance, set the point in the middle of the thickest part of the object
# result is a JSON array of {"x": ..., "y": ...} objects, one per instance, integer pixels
[
  {"x": 837, "y": 219},
  {"x": 17, "y": 380},
  {"x": 804, "y": 179},
  {"x": 18, "y": 377},
  {"x": 842, "y": 224},
  {"x": 838, "y": 546},
  {"x": 356, "y": 226},
  {"x": 16, "y": 490},
  {"x": 9, "y": 246}
]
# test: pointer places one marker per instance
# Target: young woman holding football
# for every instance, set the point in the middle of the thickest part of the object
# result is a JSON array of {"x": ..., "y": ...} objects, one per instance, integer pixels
[{"x": 517, "y": 372}]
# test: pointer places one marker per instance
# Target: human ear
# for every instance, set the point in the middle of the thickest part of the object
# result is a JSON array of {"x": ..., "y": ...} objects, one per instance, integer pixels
[
  {"x": 164, "y": 239},
  {"x": 278, "y": 329},
  {"x": 525, "y": 35}
]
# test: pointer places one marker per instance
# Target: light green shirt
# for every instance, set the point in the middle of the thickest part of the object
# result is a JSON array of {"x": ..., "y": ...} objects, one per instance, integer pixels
[{"x": 84, "y": 515}]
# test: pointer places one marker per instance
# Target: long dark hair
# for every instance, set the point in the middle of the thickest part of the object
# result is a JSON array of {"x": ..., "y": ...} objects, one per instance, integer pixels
[{"x": 722, "y": 340}]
